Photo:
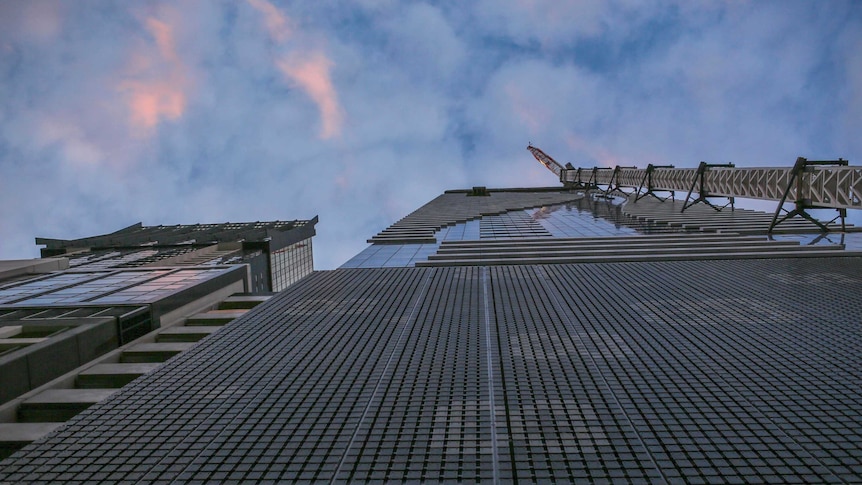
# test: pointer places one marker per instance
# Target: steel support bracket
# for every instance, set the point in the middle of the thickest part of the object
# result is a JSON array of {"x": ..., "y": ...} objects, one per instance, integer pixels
[
  {"x": 578, "y": 184},
  {"x": 802, "y": 204},
  {"x": 647, "y": 181},
  {"x": 700, "y": 185},
  {"x": 593, "y": 183},
  {"x": 614, "y": 184}
]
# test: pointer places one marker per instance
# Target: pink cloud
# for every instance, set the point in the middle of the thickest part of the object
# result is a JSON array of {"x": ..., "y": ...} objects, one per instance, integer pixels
[
  {"x": 279, "y": 25},
  {"x": 150, "y": 102},
  {"x": 164, "y": 35},
  {"x": 157, "y": 82},
  {"x": 311, "y": 74},
  {"x": 309, "y": 71}
]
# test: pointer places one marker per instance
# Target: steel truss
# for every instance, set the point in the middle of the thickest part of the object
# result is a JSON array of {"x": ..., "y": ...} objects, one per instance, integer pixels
[
  {"x": 809, "y": 184},
  {"x": 833, "y": 186}
]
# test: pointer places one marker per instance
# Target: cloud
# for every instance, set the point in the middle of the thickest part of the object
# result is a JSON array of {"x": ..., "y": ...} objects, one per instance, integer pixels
[
  {"x": 156, "y": 82},
  {"x": 39, "y": 22},
  {"x": 549, "y": 22},
  {"x": 308, "y": 68},
  {"x": 851, "y": 93},
  {"x": 533, "y": 116},
  {"x": 421, "y": 39},
  {"x": 277, "y": 24},
  {"x": 311, "y": 74},
  {"x": 362, "y": 112},
  {"x": 525, "y": 101}
]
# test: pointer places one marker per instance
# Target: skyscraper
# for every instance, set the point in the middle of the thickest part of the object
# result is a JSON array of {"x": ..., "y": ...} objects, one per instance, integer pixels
[
  {"x": 99, "y": 311},
  {"x": 278, "y": 253},
  {"x": 529, "y": 335}
]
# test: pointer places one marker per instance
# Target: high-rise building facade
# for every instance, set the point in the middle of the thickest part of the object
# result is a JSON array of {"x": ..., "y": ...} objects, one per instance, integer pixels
[
  {"x": 118, "y": 301},
  {"x": 525, "y": 335},
  {"x": 278, "y": 253}
]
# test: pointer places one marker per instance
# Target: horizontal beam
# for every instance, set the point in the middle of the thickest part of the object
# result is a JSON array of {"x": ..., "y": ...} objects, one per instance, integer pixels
[{"x": 819, "y": 185}]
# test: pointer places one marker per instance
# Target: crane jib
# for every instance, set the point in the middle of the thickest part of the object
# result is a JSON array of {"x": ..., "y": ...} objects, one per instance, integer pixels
[{"x": 829, "y": 184}]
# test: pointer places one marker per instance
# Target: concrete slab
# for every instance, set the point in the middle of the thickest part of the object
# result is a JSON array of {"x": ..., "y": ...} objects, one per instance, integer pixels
[
  {"x": 214, "y": 317},
  {"x": 25, "y": 432},
  {"x": 154, "y": 352},
  {"x": 15, "y": 267},
  {"x": 15, "y": 377},
  {"x": 106, "y": 376},
  {"x": 242, "y": 302},
  {"x": 14, "y": 436},
  {"x": 62, "y": 397},
  {"x": 58, "y": 405},
  {"x": 21, "y": 341},
  {"x": 186, "y": 334},
  {"x": 9, "y": 330}
]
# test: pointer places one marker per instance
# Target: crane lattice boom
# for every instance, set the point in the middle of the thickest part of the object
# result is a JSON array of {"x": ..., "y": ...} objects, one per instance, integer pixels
[
  {"x": 546, "y": 160},
  {"x": 829, "y": 184}
]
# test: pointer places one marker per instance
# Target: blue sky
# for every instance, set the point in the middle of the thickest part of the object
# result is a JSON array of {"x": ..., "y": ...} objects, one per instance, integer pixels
[{"x": 205, "y": 111}]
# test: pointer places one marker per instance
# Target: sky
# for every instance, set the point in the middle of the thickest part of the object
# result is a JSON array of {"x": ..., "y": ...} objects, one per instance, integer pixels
[{"x": 179, "y": 112}]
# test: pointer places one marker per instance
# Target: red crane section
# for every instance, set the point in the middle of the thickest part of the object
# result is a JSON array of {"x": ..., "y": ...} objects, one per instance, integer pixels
[{"x": 546, "y": 160}]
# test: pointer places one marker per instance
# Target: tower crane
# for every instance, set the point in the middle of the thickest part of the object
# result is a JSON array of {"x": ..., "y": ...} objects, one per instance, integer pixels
[
  {"x": 546, "y": 160},
  {"x": 809, "y": 184}
]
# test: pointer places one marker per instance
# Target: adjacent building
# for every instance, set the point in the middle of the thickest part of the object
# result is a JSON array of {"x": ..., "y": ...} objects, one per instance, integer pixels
[
  {"x": 90, "y": 301},
  {"x": 520, "y": 335},
  {"x": 278, "y": 253}
]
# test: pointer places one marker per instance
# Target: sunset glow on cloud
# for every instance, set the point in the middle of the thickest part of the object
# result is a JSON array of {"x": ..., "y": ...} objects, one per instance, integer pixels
[
  {"x": 311, "y": 74},
  {"x": 155, "y": 88},
  {"x": 173, "y": 112},
  {"x": 277, "y": 24},
  {"x": 304, "y": 67},
  {"x": 150, "y": 102}
]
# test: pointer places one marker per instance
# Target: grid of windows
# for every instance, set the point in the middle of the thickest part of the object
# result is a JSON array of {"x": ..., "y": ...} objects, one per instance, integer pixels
[
  {"x": 460, "y": 232},
  {"x": 691, "y": 371},
  {"x": 391, "y": 255},
  {"x": 745, "y": 380},
  {"x": 166, "y": 283},
  {"x": 430, "y": 419},
  {"x": 110, "y": 259},
  {"x": 92, "y": 289},
  {"x": 111, "y": 287},
  {"x": 201, "y": 234},
  {"x": 583, "y": 218},
  {"x": 572, "y": 221},
  {"x": 564, "y": 424},
  {"x": 513, "y": 224},
  {"x": 852, "y": 241},
  {"x": 15, "y": 292},
  {"x": 595, "y": 217},
  {"x": 289, "y": 265}
]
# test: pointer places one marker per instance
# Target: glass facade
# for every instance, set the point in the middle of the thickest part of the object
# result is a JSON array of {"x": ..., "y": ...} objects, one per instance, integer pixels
[
  {"x": 290, "y": 264},
  {"x": 105, "y": 287},
  {"x": 708, "y": 357},
  {"x": 110, "y": 258},
  {"x": 164, "y": 284},
  {"x": 391, "y": 255},
  {"x": 661, "y": 372},
  {"x": 13, "y": 292},
  {"x": 278, "y": 252},
  {"x": 583, "y": 218}
]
